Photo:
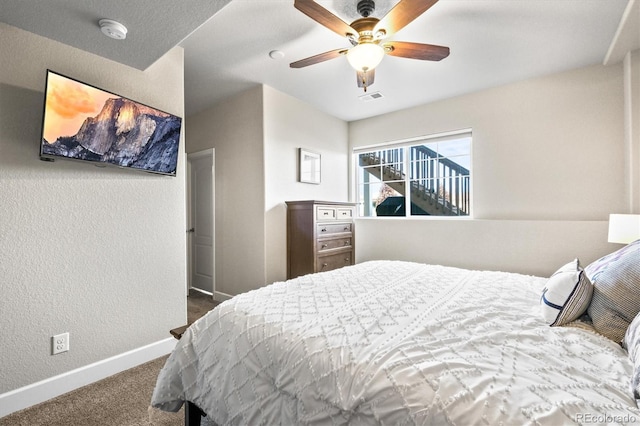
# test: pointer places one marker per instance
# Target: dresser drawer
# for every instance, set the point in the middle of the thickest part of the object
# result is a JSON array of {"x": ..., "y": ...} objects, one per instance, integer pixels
[
  {"x": 333, "y": 243},
  {"x": 335, "y": 261},
  {"x": 326, "y": 213},
  {"x": 333, "y": 228},
  {"x": 344, "y": 213}
]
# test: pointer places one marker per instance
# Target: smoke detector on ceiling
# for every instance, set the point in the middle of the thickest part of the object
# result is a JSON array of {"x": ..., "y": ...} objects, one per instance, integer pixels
[
  {"x": 276, "y": 54},
  {"x": 113, "y": 29}
]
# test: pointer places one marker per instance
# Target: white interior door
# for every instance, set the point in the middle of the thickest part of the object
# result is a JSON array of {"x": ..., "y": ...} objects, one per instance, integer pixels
[{"x": 202, "y": 224}]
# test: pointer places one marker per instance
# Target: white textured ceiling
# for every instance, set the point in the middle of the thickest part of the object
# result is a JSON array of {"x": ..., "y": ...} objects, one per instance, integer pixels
[
  {"x": 492, "y": 42},
  {"x": 154, "y": 26}
]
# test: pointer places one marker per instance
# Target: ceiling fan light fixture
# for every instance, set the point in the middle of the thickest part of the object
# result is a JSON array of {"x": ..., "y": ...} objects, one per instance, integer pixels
[{"x": 365, "y": 56}]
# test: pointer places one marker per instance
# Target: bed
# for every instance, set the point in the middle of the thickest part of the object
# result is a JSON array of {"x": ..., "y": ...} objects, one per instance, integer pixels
[{"x": 397, "y": 343}]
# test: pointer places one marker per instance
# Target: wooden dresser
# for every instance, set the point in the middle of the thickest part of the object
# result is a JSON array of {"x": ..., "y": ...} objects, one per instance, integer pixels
[{"x": 320, "y": 236}]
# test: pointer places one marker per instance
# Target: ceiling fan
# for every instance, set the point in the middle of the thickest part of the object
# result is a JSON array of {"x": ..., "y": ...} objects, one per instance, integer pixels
[{"x": 367, "y": 36}]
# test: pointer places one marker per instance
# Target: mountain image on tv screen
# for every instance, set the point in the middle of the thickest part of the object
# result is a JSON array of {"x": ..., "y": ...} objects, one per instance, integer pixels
[{"x": 85, "y": 123}]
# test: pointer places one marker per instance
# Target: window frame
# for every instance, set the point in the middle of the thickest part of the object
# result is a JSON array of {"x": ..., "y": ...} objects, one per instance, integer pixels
[{"x": 407, "y": 143}]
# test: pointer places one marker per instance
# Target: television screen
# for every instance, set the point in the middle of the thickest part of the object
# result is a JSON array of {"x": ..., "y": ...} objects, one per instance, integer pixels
[{"x": 82, "y": 122}]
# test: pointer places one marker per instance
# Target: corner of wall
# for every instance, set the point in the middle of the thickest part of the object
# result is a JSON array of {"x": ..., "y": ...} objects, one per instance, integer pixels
[
  {"x": 105, "y": 244},
  {"x": 632, "y": 127}
]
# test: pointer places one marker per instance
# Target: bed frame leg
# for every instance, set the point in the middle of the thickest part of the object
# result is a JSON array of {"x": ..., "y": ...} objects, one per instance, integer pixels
[{"x": 192, "y": 414}]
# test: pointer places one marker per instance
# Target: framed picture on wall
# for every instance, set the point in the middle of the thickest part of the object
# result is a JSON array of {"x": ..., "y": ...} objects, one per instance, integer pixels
[{"x": 309, "y": 166}]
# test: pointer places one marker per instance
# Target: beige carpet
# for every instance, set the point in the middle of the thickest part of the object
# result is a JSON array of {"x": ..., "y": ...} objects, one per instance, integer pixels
[
  {"x": 198, "y": 304},
  {"x": 119, "y": 400}
]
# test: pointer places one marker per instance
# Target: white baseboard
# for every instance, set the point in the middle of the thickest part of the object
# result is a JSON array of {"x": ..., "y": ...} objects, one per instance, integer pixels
[
  {"x": 44, "y": 390},
  {"x": 199, "y": 290},
  {"x": 218, "y": 296}
]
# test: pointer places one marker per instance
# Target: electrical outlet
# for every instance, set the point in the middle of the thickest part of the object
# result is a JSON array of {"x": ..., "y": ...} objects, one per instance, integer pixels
[{"x": 59, "y": 343}]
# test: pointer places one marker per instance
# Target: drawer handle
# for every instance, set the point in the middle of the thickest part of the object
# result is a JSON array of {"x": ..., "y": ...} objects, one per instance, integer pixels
[
  {"x": 326, "y": 213},
  {"x": 346, "y": 228},
  {"x": 324, "y": 265},
  {"x": 323, "y": 230},
  {"x": 324, "y": 246},
  {"x": 346, "y": 259},
  {"x": 346, "y": 243}
]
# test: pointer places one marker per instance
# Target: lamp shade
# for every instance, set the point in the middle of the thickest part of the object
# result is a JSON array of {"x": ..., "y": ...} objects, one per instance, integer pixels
[
  {"x": 624, "y": 228},
  {"x": 365, "y": 56}
]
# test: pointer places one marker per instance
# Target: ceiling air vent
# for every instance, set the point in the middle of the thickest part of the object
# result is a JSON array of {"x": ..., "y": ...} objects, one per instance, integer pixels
[{"x": 371, "y": 97}]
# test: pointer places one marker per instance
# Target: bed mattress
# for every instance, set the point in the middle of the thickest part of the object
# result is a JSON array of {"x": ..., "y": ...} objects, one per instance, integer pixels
[{"x": 396, "y": 343}]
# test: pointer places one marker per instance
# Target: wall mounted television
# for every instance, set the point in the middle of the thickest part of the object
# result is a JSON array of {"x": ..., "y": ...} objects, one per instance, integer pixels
[{"x": 82, "y": 122}]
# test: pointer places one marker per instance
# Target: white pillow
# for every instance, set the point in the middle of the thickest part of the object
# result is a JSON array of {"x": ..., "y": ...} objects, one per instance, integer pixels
[{"x": 567, "y": 295}]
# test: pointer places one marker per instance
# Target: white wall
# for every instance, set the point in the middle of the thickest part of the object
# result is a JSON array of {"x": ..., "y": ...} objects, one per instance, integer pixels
[
  {"x": 256, "y": 136},
  {"x": 96, "y": 252},
  {"x": 235, "y": 129},
  {"x": 548, "y": 169},
  {"x": 291, "y": 124},
  {"x": 546, "y": 149},
  {"x": 524, "y": 246},
  {"x": 632, "y": 127}
]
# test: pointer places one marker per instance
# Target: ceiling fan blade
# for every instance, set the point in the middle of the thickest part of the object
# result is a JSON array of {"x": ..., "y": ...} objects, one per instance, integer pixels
[
  {"x": 426, "y": 52},
  {"x": 365, "y": 79},
  {"x": 402, "y": 14},
  {"x": 321, "y": 15},
  {"x": 318, "y": 58}
]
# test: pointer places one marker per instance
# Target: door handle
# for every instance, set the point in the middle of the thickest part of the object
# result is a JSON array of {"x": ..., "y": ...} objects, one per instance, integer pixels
[{"x": 191, "y": 231}]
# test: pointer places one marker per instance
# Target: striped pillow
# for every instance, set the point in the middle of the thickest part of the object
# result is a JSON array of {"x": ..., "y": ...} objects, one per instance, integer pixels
[
  {"x": 567, "y": 295},
  {"x": 632, "y": 344},
  {"x": 616, "y": 293}
]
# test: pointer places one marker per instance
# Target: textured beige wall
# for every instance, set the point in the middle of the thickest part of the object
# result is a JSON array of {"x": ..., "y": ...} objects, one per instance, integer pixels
[
  {"x": 235, "y": 129},
  {"x": 96, "y": 252}
]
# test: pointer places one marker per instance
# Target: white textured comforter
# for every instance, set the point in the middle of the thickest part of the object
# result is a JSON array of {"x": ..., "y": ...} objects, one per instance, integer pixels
[{"x": 396, "y": 343}]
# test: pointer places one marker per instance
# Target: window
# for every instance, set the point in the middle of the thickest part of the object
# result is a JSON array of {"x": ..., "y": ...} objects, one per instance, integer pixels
[{"x": 437, "y": 171}]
